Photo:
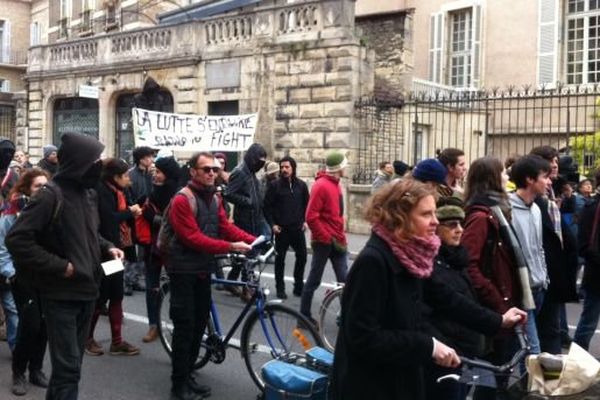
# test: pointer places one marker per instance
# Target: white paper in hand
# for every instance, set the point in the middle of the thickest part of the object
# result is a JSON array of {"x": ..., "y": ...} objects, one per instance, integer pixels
[{"x": 112, "y": 266}]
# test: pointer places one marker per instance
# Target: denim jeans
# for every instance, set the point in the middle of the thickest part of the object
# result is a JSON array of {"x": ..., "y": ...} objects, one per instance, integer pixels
[
  {"x": 68, "y": 324},
  {"x": 531, "y": 326},
  {"x": 588, "y": 321},
  {"x": 12, "y": 317},
  {"x": 31, "y": 334},
  {"x": 189, "y": 310},
  {"x": 296, "y": 239},
  {"x": 321, "y": 253}
]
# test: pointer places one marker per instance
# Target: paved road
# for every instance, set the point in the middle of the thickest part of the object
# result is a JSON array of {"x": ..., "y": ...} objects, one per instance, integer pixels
[{"x": 146, "y": 377}]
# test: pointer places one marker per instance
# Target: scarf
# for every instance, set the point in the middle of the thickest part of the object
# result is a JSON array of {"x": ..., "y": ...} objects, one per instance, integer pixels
[
  {"x": 554, "y": 212},
  {"x": 124, "y": 227},
  {"x": 416, "y": 254}
]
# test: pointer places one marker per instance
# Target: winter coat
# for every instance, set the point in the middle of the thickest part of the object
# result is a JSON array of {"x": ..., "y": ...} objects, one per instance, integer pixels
[
  {"x": 589, "y": 250},
  {"x": 45, "y": 246},
  {"x": 325, "y": 211},
  {"x": 141, "y": 185},
  {"x": 380, "y": 180},
  {"x": 381, "y": 347},
  {"x": 450, "y": 267},
  {"x": 285, "y": 203},
  {"x": 492, "y": 268},
  {"x": 561, "y": 258},
  {"x": 48, "y": 166},
  {"x": 527, "y": 224}
]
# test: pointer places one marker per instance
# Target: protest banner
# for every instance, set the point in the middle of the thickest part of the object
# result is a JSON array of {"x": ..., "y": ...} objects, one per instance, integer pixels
[{"x": 169, "y": 131}]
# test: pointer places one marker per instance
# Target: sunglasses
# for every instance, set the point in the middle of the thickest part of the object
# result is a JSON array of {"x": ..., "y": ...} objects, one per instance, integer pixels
[
  {"x": 451, "y": 224},
  {"x": 207, "y": 170}
]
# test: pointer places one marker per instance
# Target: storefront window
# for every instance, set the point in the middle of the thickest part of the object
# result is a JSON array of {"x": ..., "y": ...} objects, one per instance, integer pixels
[{"x": 75, "y": 114}]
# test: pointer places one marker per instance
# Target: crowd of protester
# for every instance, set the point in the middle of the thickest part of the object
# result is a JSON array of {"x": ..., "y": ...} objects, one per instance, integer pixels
[{"x": 438, "y": 278}]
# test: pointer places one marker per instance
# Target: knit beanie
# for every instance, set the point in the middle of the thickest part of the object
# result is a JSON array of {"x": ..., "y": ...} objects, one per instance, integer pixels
[
  {"x": 449, "y": 208},
  {"x": 335, "y": 161},
  {"x": 271, "y": 168},
  {"x": 49, "y": 149},
  {"x": 430, "y": 170},
  {"x": 169, "y": 167},
  {"x": 400, "y": 167}
]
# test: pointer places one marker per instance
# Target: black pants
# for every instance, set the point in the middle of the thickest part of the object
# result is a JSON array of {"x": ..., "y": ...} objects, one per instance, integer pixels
[
  {"x": 296, "y": 239},
  {"x": 31, "y": 333},
  {"x": 190, "y": 306},
  {"x": 68, "y": 323},
  {"x": 548, "y": 324}
]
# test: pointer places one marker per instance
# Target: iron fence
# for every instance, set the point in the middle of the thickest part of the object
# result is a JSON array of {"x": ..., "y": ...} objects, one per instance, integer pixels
[
  {"x": 496, "y": 122},
  {"x": 7, "y": 121}
]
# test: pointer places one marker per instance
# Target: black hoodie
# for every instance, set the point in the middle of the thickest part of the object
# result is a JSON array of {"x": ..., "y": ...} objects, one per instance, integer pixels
[
  {"x": 286, "y": 200},
  {"x": 43, "y": 240}
]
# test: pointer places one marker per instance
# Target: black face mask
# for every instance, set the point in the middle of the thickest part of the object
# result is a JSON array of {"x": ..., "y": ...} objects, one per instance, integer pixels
[
  {"x": 257, "y": 165},
  {"x": 91, "y": 177}
]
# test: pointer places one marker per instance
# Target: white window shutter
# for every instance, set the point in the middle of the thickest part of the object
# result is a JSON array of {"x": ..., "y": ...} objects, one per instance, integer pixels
[
  {"x": 476, "y": 50},
  {"x": 436, "y": 47},
  {"x": 6, "y": 85},
  {"x": 548, "y": 42},
  {"x": 6, "y": 42}
]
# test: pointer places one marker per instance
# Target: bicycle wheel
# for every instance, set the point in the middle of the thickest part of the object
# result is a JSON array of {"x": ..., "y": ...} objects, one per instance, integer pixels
[
  {"x": 329, "y": 317},
  {"x": 277, "y": 338},
  {"x": 165, "y": 327}
]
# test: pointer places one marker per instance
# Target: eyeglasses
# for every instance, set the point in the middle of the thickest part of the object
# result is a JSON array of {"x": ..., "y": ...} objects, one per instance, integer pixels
[
  {"x": 451, "y": 224},
  {"x": 206, "y": 170}
]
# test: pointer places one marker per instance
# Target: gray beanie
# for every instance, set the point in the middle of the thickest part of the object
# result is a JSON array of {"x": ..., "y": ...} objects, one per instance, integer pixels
[{"x": 49, "y": 149}]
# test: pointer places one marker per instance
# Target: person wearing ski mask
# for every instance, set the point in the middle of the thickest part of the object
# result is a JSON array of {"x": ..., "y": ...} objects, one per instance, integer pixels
[
  {"x": 244, "y": 192},
  {"x": 56, "y": 239}
]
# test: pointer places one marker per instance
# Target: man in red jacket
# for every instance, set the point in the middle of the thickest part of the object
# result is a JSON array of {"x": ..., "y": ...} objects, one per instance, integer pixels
[
  {"x": 325, "y": 218},
  {"x": 201, "y": 230}
]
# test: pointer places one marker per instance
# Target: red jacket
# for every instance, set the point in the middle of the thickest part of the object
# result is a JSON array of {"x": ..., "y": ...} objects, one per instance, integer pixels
[
  {"x": 325, "y": 211},
  {"x": 184, "y": 224},
  {"x": 499, "y": 290}
]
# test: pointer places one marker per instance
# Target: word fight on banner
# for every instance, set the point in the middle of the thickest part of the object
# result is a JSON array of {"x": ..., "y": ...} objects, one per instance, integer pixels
[{"x": 161, "y": 130}]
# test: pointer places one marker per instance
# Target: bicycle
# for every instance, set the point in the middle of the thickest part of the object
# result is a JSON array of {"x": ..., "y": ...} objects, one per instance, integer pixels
[
  {"x": 270, "y": 330},
  {"x": 330, "y": 314},
  {"x": 500, "y": 377}
]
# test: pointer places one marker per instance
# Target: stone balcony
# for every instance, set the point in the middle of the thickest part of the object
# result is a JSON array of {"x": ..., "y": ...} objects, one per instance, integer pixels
[{"x": 271, "y": 24}]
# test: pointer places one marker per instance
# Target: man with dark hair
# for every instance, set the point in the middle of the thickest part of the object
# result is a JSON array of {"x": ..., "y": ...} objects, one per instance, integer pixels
[
  {"x": 560, "y": 250},
  {"x": 49, "y": 162},
  {"x": 384, "y": 175},
  {"x": 530, "y": 175},
  {"x": 454, "y": 161},
  {"x": 55, "y": 241},
  {"x": 285, "y": 208},
  {"x": 201, "y": 231},
  {"x": 141, "y": 178}
]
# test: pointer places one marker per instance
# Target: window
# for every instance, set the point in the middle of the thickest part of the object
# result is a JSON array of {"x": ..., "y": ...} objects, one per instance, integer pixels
[
  {"x": 421, "y": 133},
  {"x": 35, "y": 34},
  {"x": 583, "y": 41},
  {"x": 4, "y": 85},
  {"x": 65, "y": 18},
  {"x": 460, "y": 48}
]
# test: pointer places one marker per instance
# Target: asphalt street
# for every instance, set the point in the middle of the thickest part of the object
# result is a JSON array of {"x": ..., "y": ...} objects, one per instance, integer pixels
[{"x": 147, "y": 376}]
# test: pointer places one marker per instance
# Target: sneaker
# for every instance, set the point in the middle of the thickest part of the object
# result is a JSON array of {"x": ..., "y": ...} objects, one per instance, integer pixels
[
  {"x": 202, "y": 390},
  {"x": 185, "y": 392},
  {"x": 19, "y": 385},
  {"x": 151, "y": 336},
  {"x": 92, "y": 348},
  {"x": 38, "y": 378},
  {"x": 123, "y": 349}
]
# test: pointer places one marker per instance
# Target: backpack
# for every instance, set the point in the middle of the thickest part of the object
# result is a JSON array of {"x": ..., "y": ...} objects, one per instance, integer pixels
[{"x": 166, "y": 233}]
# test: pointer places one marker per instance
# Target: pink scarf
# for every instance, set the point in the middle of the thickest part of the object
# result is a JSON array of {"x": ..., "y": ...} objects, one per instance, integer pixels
[{"x": 416, "y": 254}]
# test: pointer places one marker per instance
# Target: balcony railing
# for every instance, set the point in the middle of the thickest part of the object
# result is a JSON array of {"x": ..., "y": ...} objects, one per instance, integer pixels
[
  {"x": 432, "y": 90},
  {"x": 164, "y": 43},
  {"x": 14, "y": 58}
]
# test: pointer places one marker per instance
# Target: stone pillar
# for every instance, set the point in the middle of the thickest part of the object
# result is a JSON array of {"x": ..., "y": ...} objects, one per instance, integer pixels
[{"x": 21, "y": 120}]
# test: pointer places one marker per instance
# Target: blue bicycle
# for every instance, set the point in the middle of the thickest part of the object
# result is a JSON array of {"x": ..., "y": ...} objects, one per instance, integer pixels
[{"x": 270, "y": 330}]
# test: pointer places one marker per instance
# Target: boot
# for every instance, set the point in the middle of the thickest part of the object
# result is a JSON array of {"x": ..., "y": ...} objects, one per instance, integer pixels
[
  {"x": 151, "y": 336},
  {"x": 246, "y": 295}
]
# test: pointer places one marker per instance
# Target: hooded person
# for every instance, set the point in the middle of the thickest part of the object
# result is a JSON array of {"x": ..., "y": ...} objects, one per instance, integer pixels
[
  {"x": 56, "y": 240},
  {"x": 285, "y": 209},
  {"x": 8, "y": 176},
  {"x": 50, "y": 161},
  {"x": 244, "y": 192}
]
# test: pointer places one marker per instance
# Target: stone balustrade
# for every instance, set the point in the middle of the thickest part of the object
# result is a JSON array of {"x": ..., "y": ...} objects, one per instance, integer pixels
[{"x": 277, "y": 23}]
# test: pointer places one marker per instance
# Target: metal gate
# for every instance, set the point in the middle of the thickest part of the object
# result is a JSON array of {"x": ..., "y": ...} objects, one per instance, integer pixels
[
  {"x": 75, "y": 114},
  {"x": 498, "y": 122},
  {"x": 7, "y": 121}
]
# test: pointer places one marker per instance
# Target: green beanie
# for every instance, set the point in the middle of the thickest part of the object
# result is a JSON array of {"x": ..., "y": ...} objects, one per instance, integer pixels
[
  {"x": 448, "y": 212},
  {"x": 335, "y": 161}
]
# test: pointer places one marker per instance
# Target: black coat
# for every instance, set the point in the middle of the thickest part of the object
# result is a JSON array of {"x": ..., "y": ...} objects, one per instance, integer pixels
[
  {"x": 285, "y": 202},
  {"x": 591, "y": 253},
  {"x": 561, "y": 259},
  {"x": 382, "y": 347},
  {"x": 45, "y": 246},
  {"x": 244, "y": 192}
]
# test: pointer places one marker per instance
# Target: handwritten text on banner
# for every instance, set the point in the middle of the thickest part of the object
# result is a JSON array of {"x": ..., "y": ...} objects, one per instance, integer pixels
[{"x": 162, "y": 130}]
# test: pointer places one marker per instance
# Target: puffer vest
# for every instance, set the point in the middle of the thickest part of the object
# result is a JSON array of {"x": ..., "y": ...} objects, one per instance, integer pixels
[{"x": 184, "y": 260}]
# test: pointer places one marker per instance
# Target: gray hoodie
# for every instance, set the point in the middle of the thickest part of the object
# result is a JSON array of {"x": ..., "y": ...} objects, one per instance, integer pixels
[{"x": 527, "y": 224}]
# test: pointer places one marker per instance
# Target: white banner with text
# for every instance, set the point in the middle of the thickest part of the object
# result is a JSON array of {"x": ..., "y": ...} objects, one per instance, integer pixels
[{"x": 161, "y": 130}]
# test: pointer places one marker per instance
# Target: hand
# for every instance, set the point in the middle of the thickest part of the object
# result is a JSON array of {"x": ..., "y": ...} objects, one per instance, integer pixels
[
  {"x": 69, "y": 271},
  {"x": 445, "y": 356},
  {"x": 136, "y": 210},
  {"x": 117, "y": 254},
  {"x": 513, "y": 317},
  {"x": 240, "y": 247},
  {"x": 276, "y": 229},
  {"x": 304, "y": 226}
]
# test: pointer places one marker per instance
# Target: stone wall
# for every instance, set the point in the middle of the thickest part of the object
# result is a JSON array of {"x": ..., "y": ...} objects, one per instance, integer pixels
[{"x": 389, "y": 35}]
